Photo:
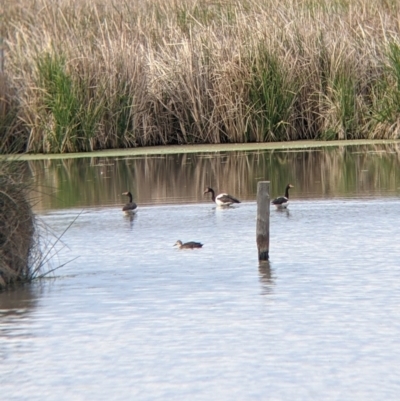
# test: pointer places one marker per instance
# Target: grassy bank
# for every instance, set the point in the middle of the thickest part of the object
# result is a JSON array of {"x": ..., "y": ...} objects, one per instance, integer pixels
[{"x": 84, "y": 75}]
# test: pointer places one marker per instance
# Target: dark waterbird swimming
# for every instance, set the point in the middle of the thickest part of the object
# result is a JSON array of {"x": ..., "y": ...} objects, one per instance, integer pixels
[
  {"x": 130, "y": 207},
  {"x": 282, "y": 202},
  {"x": 223, "y": 199},
  {"x": 188, "y": 245}
]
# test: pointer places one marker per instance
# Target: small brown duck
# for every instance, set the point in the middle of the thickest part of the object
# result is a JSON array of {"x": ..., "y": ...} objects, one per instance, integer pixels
[
  {"x": 221, "y": 199},
  {"x": 130, "y": 207},
  {"x": 188, "y": 245}
]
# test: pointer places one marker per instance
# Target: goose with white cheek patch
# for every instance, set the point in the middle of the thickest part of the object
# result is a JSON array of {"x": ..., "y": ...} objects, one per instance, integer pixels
[
  {"x": 221, "y": 199},
  {"x": 188, "y": 245},
  {"x": 282, "y": 202},
  {"x": 130, "y": 207}
]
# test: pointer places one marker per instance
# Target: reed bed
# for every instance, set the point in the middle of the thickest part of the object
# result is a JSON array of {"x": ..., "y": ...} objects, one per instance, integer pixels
[
  {"x": 18, "y": 241},
  {"x": 84, "y": 75},
  {"x": 28, "y": 247}
]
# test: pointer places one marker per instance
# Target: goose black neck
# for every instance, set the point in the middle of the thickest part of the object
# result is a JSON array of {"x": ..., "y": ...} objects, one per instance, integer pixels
[
  {"x": 212, "y": 194},
  {"x": 130, "y": 197},
  {"x": 287, "y": 192}
]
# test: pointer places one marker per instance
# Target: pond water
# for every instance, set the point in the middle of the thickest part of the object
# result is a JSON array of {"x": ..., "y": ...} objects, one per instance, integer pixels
[{"x": 135, "y": 318}]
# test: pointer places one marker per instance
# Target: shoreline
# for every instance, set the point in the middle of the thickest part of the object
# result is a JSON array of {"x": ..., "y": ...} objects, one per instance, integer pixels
[{"x": 201, "y": 148}]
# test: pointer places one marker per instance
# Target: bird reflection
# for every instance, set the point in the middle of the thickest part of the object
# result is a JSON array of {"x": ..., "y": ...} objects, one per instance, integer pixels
[
  {"x": 284, "y": 211},
  {"x": 265, "y": 274},
  {"x": 130, "y": 218}
]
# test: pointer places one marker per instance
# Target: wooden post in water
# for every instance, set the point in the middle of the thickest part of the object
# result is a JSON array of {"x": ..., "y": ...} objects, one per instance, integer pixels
[{"x": 263, "y": 220}]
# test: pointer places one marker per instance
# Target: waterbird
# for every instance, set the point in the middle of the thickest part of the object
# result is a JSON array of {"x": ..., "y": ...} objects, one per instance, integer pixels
[
  {"x": 130, "y": 207},
  {"x": 282, "y": 201},
  {"x": 188, "y": 245},
  {"x": 221, "y": 199}
]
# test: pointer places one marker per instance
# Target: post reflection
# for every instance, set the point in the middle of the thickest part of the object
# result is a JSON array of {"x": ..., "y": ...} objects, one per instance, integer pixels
[{"x": 265, "y": 275}]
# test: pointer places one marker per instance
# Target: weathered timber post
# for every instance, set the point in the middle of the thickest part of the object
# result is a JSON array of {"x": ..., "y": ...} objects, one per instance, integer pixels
[{"x": 263, "y": 220}]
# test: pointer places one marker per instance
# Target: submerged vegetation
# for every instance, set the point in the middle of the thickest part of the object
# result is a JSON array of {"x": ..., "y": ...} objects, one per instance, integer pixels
[{"x": 84, "y": 75}]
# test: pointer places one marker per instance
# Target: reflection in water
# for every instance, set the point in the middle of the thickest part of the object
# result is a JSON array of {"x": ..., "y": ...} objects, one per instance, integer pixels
[
  {"x": 264, "y": 270},
  {"x": 15, "y": 306},
  {"x": 181, "y": 178},
  {"x": 18, "y": 301},
  {"x": 130, "y": 218},
  {"x": 283, "y": 211}
]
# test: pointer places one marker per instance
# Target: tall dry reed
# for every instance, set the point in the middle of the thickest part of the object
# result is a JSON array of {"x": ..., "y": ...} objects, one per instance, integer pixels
[
  {"x": 83, "y": 75},
  {"x": 27, "y": 245},
  {"x": 17, "y": 228}
]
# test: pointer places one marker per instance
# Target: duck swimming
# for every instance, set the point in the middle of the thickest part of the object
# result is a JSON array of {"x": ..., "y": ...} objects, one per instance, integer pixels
[
  {"x": 282, "y": 202},
  {"x": 130, "y": 207},
  {"x": 221, "y": 199},
  {"x": 188, "y": 245}
]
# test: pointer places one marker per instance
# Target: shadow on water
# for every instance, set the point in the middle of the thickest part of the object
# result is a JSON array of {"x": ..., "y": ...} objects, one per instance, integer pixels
[{"x": 181, "y": 178}]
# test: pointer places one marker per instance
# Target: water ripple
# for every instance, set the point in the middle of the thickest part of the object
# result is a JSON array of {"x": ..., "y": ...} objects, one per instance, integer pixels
[{"x": 133, "y": 313}]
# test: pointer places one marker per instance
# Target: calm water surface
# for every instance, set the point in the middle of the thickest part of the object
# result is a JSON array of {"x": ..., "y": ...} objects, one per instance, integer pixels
[
  {"x": 316, "y": 173},
  {"x": 135, "y": 318}
]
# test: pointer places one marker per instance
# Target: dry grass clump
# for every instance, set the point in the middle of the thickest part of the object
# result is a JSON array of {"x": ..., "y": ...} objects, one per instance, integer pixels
[
  {"x": 17, "y": 229},
  {"x": 84, "y": 75}
]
